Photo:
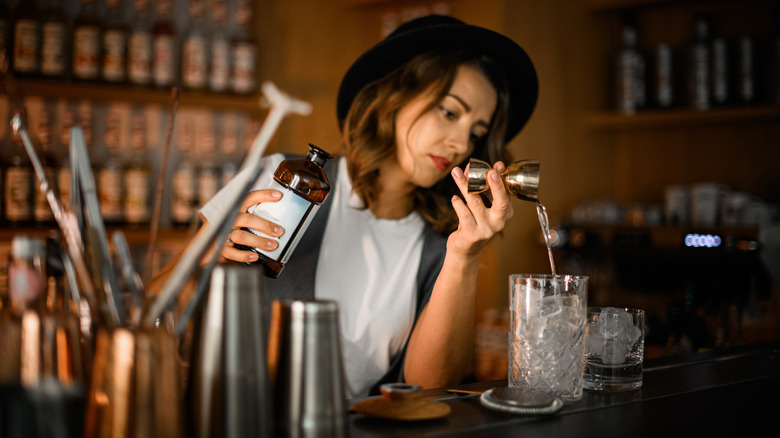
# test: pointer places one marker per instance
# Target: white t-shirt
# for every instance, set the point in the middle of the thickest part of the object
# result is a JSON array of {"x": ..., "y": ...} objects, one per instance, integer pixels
[{"x": 369, "y": 267}]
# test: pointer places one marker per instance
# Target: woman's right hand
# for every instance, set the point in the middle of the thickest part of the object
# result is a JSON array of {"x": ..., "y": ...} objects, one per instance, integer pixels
[{"x": 249, "y": 220}]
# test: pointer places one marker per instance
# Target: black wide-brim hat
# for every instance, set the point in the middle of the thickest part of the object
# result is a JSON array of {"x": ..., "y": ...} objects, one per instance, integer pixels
[{"x": 441, "y": 32}]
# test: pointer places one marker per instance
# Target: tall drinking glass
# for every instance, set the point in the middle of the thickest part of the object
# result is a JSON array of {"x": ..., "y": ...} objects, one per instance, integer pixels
[{"x": 547, "y": 332}]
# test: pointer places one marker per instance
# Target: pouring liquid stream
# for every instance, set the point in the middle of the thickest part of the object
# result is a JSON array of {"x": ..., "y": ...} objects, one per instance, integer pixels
[{"x": 541, "y": 211}]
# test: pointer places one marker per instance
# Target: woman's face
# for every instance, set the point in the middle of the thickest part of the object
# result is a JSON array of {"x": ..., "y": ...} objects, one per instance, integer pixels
[{"x": 429, "y": 146}]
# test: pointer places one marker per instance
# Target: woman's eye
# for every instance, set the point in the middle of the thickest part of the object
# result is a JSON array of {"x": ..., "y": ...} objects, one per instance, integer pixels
[{"x": 447, "y": 113}]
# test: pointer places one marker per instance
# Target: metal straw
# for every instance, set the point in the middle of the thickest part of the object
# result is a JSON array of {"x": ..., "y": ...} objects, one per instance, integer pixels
[
  {"x": 66, "y": 220},
  {"x": 214, "y": 232},
  {"x": 161, "y": 185}
]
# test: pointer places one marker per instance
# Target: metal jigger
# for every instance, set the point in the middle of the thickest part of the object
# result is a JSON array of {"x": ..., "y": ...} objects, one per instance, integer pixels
[
  {"x": 231, "y": 392},
  {"x": 306, "y": 367},
  {"x": 520, "y": 178}
]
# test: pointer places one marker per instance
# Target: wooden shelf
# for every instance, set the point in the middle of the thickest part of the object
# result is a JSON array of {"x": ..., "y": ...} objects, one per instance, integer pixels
[
  {"x": 618, "y": 5},
  {"x": 135, "y": 235},
  {"x": 128, "y": 93},
  {"x": 674, "y": 118}
]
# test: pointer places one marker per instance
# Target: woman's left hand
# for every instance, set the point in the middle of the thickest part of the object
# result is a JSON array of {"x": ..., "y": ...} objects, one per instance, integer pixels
[{"x": 478, "y": 223}]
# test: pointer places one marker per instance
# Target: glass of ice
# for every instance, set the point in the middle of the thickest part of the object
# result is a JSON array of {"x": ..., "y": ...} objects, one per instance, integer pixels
[
  {"x": 614, "y": 349},
  {"x": 547, "y": 332}
]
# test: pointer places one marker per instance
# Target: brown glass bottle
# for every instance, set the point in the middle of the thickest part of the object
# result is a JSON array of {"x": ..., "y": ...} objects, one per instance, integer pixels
[{"x": 304, "y": 187}]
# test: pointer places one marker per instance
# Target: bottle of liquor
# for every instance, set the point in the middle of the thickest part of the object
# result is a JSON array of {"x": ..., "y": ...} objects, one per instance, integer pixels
[
  {"x": 109, "y": 176},
  {"x": 54, "y": 38},
  {"x": 746, "y": 70},
  {"x": 208, "y": 167},
  {"x": 86, "y": 43},
  {"x": 184, "y": 183},
  {"x": 772, "y": 83},
  {"x": 5, "y": 25},
  {"x": 304, "y": 187},
  {"x": 631, "y": 89},
  {"x": 699, "y": 64},
  {"x": 244, "y": 64},
  {"x": 194, "y": 57},
  {"x": 137, "y": 173},
  {"x": 26, "y": 58},
  {"x": 115, "y": 35},
  {"x": 228, "y": 141},
  {"x": 721, "y": 88},
  {"x": 219, "y": 66},
  {"x": 664, "y": 76},
  {"x": 18, "y": 184},
  {"x": 139, "y": 51},
  {"x": 163, "y": 46},
  {"x": 66, "y": 117},
  {"x": 41, "y": 126},
  {"x": 243, "y": 52}
]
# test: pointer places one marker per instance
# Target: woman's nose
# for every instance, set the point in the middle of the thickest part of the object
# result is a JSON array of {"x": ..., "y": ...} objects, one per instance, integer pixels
[{"x": 458, "y": 140}]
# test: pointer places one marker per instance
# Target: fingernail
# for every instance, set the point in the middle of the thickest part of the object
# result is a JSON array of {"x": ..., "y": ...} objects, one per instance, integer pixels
[
  {"x": 253, "y": 257},
  {"x": 276, "y": 194},
  {"x": 278, "y": 230},
  {"x": 494, "y": 175},
  {"x": 457, "y": 172},
  {"x": 272, "y": 244}
]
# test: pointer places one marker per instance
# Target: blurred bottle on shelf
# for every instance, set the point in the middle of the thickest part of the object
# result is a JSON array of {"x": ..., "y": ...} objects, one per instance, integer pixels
[
  {"x": 664, "y": 76},
  {"x": 115, "y": 42},
  {"x": 163, "y": 46},
  {"x": 54, "y": 41},
  {"x": 243, "y": 51},
  {"x": 40, "y": 119},
  {"x": 138, "y": 172},
  {"x": 86, "y": 43},
  {"x": 18, "y": 184},
  {"x": 66, "y": 118},
  {"x": 5, "y": 25},
  {"x": 194, "y": 57},
  {"x": 746, "y": 84},
  {"x": 631, "y": 85},
  {"x": 219, "y": 60},
  {"x": 183, "y": 182},
  {"x": 699, "y": 64},
  {"x": 208, "y": 167},
  {"x": 109, "y": 176},
  {"x": 229, "y": 141},
  {"x": 139, "y": 50},
  {"x": 721, "y": 72},
  {"x": 26, "y": 57}
]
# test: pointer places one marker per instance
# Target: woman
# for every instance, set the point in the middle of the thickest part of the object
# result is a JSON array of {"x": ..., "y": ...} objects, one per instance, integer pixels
[{"x": 398, "y": 241}]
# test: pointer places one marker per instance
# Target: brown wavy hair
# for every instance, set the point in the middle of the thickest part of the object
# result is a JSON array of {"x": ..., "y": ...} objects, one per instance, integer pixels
[{"x": 369, "y": 127}]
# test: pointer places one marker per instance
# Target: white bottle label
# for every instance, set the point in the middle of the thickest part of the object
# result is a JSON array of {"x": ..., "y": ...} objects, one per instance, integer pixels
[
  {"x": 53, "y": 48},
  {"x": 26, "y": 46},
  {"x": 287, "y": 213},
  {"x": 140, "y": 57}
]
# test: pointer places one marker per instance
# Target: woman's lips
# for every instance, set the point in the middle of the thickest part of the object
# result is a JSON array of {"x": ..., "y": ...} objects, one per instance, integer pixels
[{"x": 441, "y": 163}]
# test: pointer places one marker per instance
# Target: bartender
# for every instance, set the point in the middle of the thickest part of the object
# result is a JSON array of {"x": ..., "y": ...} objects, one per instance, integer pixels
[{"x": 397, "y": 243}]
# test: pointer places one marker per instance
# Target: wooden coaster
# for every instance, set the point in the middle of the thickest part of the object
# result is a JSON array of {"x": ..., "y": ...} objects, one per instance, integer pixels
[{"x": 402, "y": 402}]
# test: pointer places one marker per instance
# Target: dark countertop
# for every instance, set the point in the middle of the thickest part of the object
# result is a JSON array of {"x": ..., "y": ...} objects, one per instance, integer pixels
[{"x": 716, "y": 392}]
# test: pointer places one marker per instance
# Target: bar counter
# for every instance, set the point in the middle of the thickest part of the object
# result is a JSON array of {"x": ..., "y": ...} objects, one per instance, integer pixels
[{"x": 732, "y": 391}]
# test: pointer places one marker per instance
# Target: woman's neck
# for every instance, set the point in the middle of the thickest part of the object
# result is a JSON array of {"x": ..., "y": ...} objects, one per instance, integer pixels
[{"x": 395, "y": 196}]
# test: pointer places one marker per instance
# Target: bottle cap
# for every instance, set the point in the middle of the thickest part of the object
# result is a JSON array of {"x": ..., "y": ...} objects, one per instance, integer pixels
[
  {"x": 318, "y": 156},
  {"x": 522, "y": 401}
]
